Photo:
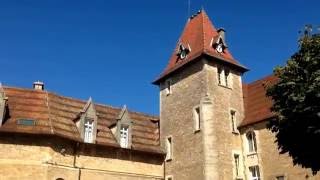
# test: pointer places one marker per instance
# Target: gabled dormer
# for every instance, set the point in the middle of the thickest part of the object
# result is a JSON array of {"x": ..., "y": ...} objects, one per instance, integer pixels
[
  {"x": 3, "y": 105},
  {"x": 219, "y": 42},
  {"x": 87, "y": 123},
  {"x": 123, "y": 131},
  {"x": 183, "y": 51}
]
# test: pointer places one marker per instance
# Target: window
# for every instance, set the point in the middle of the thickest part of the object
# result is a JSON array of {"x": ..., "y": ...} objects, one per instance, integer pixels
[
  {"x": 196, "y": 117},
  {"x": 236, "y": 158},
  {"x": 26, "y": 122},
  {"x": 280, "y": 178},
  {"x": 169, "y": 148},
  {"x": 124, "y": 136},
  {"x": 88, "y": 131},
  {"x": 252, "y": 144},
  {"x": 254, "y": 173},
  {"x": 169, "y": 177},
  {"x": 168, "y": 87},
  {"x": 183, "y": 51},
  {"x": 224, "y": 77},
  {"x": 233, "y": 121},
  {"x": 220, "y": 79}
]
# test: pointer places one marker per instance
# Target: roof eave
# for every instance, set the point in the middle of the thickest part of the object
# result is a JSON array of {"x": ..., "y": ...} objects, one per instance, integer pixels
[
  {"x": 256, "y": 122},
  {"x": 240, "y": 67}
]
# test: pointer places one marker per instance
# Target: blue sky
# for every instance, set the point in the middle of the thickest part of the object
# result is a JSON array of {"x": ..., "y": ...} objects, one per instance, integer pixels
[{"x": 112, "y": 50}]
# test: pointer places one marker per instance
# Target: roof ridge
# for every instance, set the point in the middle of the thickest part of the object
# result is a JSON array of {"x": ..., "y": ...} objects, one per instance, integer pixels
[
  {"x": 203, "y": 32},
  {"x": 25, "y": 89},
  {"x": 262, "y": 79},
  {"x": 78, "y": 100}
]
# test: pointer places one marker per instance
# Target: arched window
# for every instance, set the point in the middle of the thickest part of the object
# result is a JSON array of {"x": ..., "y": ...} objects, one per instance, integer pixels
[
  {"x": 59, "y": 179},
  {"x": 252, "y": 143}
]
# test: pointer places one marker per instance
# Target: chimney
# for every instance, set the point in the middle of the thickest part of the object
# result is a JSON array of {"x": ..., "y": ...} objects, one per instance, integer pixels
[{"x": 38, "y": 85}]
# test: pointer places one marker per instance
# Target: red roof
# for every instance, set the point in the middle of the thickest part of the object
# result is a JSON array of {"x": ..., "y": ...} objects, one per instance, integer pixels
[
  {"x": 198, "y": 34},
  {"x": 257, "y": 104},
  {"x": 55, "y": 115}
]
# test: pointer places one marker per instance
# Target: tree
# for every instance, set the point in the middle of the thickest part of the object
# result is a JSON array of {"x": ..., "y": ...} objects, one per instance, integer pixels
[{"x": 296, "y": 103}]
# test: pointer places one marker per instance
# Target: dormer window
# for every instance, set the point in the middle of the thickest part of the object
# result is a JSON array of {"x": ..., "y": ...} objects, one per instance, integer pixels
[
  {"x": 219, "y": 48},
  {"x": 86, "y": 122},
  {"x": 88, "y": 130},
  {"x": 124, "y": 136},
  {"x": 124, "y": 129},
  {"x": 183, "y": 51},
  {"x": 219, "y": 42}
]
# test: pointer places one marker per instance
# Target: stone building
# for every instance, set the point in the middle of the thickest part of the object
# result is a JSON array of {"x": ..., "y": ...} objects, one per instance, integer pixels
[{"x": 212, "y": 126}]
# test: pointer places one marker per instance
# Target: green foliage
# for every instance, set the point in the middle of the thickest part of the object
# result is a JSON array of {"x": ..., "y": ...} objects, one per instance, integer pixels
[{"x": 296, "y": 98}]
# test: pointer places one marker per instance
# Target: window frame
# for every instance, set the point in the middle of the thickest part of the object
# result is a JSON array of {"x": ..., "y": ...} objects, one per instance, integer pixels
[
  {"x": 251, "y": 147},
  {"x": 169, "y": 177},
  {"x": 220, "y": 75},
  {"x": 169, "y": 148},
  {"x": 237, "y": 169},
  {"x": 88, "y": 130},
  {"x": 168, "y": 87},
  {"x": 122, "y": 137},
  {"x": 237, "y": 175},
  {"x": 282, "y": 175},
  {"x": 197, "y": 118},
  {"x": 224, "y": 77},
  {"x": 233, "y": 121},
  {"x": 254, "y": 170}
]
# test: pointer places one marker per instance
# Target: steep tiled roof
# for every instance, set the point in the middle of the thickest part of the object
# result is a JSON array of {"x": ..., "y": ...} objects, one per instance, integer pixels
[
  {"x": 198, "y": 34},
  {"x": 257, "y": 104},
  {"x": 55, "y": 115}
]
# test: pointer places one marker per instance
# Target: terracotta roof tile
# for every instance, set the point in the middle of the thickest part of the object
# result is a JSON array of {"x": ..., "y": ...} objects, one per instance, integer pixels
[
  {"x": 257, "y": 104},
  {"x": 198, "y": 35},
  {"x": 55, "y": 114}
]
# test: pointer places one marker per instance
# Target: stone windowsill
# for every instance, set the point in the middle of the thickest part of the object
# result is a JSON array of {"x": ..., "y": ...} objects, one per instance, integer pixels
[
  {"x": 227, "y": 87},
  {"x": 252, "y": 153},
  {"x": 235, "y": 132},
  {"x": 196, "y": 131}
]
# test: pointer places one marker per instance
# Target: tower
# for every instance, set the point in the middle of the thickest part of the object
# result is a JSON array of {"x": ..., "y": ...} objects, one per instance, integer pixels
[{"x": 201, "y": 103}]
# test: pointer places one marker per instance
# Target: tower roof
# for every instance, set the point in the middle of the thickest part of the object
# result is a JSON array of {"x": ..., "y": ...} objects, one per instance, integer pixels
[{"x": 199, "y": 37}]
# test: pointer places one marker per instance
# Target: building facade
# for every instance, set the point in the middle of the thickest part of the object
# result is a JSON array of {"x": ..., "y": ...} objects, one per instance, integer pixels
[{"x": 212, "y": 126}]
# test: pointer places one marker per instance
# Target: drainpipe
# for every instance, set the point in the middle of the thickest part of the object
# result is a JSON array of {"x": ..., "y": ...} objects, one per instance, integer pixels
[{"x": 75, "y": 152}]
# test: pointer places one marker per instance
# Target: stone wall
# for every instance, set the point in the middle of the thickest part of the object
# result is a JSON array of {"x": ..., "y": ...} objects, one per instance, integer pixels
[
  {"x": 176, "y": 120},
  {"x": 49, "y": 158},
  {"x": 207, "y": 154},
  {"x": 271, "y": 163},
  {"x": 225, "y": 141}
]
